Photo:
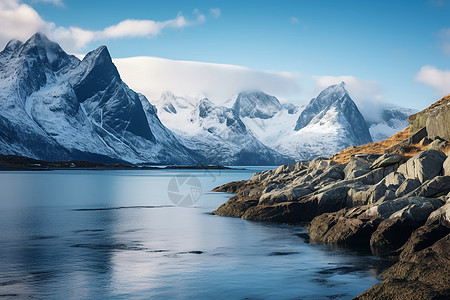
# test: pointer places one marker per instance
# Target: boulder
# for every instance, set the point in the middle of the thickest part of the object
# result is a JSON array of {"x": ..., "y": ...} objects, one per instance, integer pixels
[
  {"x": 440, "y": 215},
  {"x": 421, "y": 275},
  {"x": 320, "y": 163},
  {"x": 283, "y": 195},
  {"x": 438, "y": 144},
  {"x": 349, "y": 226},
  {"x": 387, "y": 160},
  {"x": 446, "y": 167},
  {"x": 286, "y": 212},
  {"x": 424, "y": 166},
  {"x": 330, "y": 174},
  {"x": 273, "y": 187},
  {"x": 284, "y": 169},
  {"x": 235, "y": 207},
  {"x": 407, "y": 186},
  {"x": 379, "y": 193},
  {"x": 332, "y": 199},
  {"x": 394, "y": 180},
  {"x": 425, "y": 141},
  {"x": 438, "y": 186},
  {"x": 356, "y": 167},
  {"x": 386, "y": 209},
  {"x": 393, "y": 232}
]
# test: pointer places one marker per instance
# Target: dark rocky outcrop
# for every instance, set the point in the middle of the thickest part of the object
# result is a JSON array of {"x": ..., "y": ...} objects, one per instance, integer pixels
[
  {"x": 385, "y": 203},
  {"x": 435, "y": 118}
]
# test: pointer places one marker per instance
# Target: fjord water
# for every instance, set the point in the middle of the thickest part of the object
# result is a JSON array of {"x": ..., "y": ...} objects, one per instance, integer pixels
[{"x": 116, "y": 234}]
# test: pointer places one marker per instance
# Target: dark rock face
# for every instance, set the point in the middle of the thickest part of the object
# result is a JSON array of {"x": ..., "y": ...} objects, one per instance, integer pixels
[
  {"x": 350, "y": 227},
  {"x": 55, "y": 107},
  {"x": 424, "y": 166},
  {"x": 421, "y": 275},
  {"x": 435, "y": 118},
  {"x": 398, "y": 209},
  {"x": 387, "y": 160},
  {"x": 393, "y": 232}
]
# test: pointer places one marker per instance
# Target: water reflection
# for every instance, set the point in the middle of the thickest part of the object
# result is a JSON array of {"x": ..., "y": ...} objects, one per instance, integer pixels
[{"x": 116, "y": 235}]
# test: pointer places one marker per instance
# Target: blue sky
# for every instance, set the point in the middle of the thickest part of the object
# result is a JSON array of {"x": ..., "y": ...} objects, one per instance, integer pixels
[{"x": 384, "y": 43}]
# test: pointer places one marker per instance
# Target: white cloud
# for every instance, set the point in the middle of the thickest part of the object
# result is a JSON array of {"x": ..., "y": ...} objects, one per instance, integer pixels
[
  {"x": 294, "y": 20},
  {"x": 152, "y": 76},
  {"x": 20, "y": 21},
  {"x": 366, "y": 94},
  {"x": 435, "y": 78},
  {"x": 215, "y": 12}
]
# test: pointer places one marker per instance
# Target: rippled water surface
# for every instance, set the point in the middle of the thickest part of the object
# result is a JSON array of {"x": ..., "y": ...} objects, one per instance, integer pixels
[{"x": 116, "y": 234}]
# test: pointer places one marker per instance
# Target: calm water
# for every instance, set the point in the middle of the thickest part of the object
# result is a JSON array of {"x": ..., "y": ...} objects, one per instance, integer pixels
[{"x": 117, "y": 234}]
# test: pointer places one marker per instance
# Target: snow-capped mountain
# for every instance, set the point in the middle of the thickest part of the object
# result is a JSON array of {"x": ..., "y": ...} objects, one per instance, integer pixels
[
  {"x": 330, "y": 122},
  {"x": 392, "y": 120},
  {"x": 55, "y": 107},
  {"x": 214, "y": 130},
  {"x": 264, "y": 115},
  {"x": 255, "y": 104}
]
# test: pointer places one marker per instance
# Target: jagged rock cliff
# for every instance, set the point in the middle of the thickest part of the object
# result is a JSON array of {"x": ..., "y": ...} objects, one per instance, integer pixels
[{"x": 435, "y": 118}]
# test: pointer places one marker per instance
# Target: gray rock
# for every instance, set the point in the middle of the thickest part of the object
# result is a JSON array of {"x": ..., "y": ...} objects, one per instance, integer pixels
[
  {"x": 435, "y": 187},
  {"x": 284, "y": 169},
  {"x": 356, "y": 167},
  {"x": 345, "y": 227},
  {"x": 283, "y": 195},
  {"x": 441, "y": 214},
  {"x": 446, "y": 167},
  {"x": 393, "y": 232},
  {"x": 438, "y": 144},
  {"x": 320, "y": 163},
  {"x": 272, "y": 187},
  {"x": 418, "y": 212},
  {"x": 386, "y": 160},
  {"x": 386, "y": 209},
  {"x": 424, "y": 166},
  {"x": 425, "y": 141},
  {"x": 301, "y": 165},
  {"x": 332, "y": 200},
  {"x": 407, "y": 186},
  {"x": 394, "y": 180}
]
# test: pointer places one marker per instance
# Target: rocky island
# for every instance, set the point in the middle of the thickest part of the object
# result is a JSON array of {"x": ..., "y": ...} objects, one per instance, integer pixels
[{"x": 391, "y": 197}]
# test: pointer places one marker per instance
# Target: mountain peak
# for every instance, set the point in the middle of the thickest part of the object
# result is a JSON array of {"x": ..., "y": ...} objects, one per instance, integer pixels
[
  {"x": 99, "y": 72},
  {"x": 256, "y": 104},
  {"x": 326, "y": 98},
  {"x": 39, "y": 37},
  {"x": 40, "y": 47},
  {"x": 13, "y": 45},
  {"x": 100, "y": 54}
]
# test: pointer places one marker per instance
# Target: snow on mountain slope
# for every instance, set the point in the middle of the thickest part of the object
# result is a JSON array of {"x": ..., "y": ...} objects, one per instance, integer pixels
[
  {"x": 329, "y": 123},
  {"x": 55, "y": 107},
  {"x": 393, "y": 119},
  {"x": 255, "y": 104},
  {"x": 264, "y": 115},
  {"x": 214, "y": 130}
]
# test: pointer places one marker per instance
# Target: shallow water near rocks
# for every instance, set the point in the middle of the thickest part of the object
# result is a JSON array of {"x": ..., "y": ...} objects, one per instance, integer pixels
[{"x": 117, "y": 234}]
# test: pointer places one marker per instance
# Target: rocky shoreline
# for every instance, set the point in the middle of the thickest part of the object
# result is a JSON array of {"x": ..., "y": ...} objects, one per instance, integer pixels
[
  {"x": 397, "y": 207},
  {"x": 392, "y": 197}
]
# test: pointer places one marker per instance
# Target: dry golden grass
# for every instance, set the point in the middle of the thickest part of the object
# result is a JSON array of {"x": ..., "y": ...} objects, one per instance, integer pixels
[
  {"x": 344, "y": 155},
  {"x": 438, "y": 103}
]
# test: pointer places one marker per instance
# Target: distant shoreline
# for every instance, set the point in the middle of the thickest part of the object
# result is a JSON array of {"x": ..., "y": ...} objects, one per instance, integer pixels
[{"x": 21, "y": 163}]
